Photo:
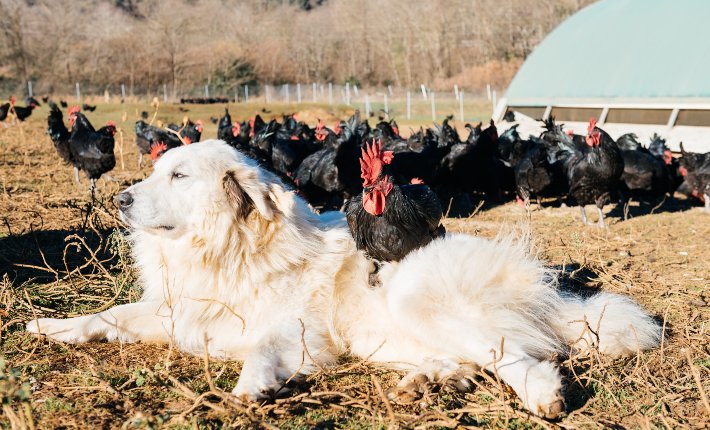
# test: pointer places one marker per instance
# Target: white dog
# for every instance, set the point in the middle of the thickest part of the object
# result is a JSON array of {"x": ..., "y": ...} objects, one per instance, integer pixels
[{"x": 229, "y": 256}]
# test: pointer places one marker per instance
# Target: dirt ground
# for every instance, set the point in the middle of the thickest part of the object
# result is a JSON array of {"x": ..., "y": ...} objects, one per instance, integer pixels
[{"x": 62, "y": 255}]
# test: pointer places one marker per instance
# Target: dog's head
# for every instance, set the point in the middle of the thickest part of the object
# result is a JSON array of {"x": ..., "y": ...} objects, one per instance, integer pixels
[{"x": 192, "y": 186}]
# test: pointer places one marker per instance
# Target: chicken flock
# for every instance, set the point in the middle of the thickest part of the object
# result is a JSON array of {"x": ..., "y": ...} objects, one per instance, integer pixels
[{"x": 392, "y": 188}]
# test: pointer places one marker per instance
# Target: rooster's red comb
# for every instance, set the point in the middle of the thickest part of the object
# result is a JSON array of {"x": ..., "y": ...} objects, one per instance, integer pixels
[
  {"x": 592, "y": 124},
  {"x": 157, "y": 149},
  {"x": 111, "y": 123},
  {"x": 13, "y": 100},
  {"x": 372, "y": 161},
  {"x": 74, "y": 109}
]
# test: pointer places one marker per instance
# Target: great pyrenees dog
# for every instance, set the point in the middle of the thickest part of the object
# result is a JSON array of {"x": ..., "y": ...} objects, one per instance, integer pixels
[{"x": 230, "y": 257}]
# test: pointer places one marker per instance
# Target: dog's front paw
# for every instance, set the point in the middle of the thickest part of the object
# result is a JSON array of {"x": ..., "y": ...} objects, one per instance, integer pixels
[
  {"x": 64, "y": 330},
  {"x": 254, "y": 389},
  {"x": 543, "y": 392}
]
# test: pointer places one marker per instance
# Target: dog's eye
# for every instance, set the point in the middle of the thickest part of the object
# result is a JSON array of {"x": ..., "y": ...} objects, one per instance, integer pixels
[{"x": 178, "y": 175}]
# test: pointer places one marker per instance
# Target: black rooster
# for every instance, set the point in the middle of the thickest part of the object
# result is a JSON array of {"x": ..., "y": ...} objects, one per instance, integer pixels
[
  {"x": 593, "y": 170},
  {"x": 387, "y": 220},
  {"x": 91, "y": 150}
]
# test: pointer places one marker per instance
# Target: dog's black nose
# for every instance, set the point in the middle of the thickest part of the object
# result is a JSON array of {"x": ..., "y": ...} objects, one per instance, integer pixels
[{"x": 124, "y": 200}]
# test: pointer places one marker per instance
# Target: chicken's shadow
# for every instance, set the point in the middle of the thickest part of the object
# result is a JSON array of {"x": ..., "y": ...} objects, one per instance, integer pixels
[{"x": 638, "y": 209}]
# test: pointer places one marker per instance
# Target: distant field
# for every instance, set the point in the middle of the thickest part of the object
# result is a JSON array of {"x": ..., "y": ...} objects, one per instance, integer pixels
[{"x": 61, "y": 255}]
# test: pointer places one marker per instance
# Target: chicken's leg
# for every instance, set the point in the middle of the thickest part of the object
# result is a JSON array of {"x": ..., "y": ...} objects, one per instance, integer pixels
[
  {"x": 76, "y": 175},
  {"x": 601, "y": 218},
  {"x": 140, "y": 160},
  {"x": 584, "y": 216}
]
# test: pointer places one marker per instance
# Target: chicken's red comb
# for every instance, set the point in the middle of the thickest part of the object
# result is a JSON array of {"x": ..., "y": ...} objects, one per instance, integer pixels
[
  {"x": 592, "y": 124},
  {"x": 236, "y": 129},
  {"x": 111, "y": 123},
  {"x": 570, "y": 133},
  {"x": 157, "y": 149},
  {"x": 74, "y": 109},
  {"x": 13, "y": 100},
  {"x": 320, "y": 124},
  {"x": 372, "y": 161}
]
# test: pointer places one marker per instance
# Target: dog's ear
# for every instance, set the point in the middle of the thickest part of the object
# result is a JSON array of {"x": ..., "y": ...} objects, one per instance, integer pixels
[{"x": 246, "y": 192}]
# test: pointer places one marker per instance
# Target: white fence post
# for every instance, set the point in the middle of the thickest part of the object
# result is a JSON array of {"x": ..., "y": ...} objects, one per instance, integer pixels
[
  {"x": 123, "y": 92},
  {"x": 456, "y": 91},
  {"x": 433, "y": 106},
  {"x": 78, "y": 93},
  {"x": 367, "y": 106},
  {"x": 246, "y": 93},
  {"x": 357, "y": 93},
  {"x": 330, "y": 93},
  {"x": 236, "y": 94},
  {"x": 288, "y": 96},
  {"x": 347, "y": 93},
  {"x": 423, "y": 91},
  {"x": 207, "y": 91},
  {"x": 488, "y": 90},
  {"x": 165, "y": 93},
  {"x": 315, "y": 89},
  {"x": 461, "y": 117},
  {"x": 409, "y": 105},
  {"x": 298, "y": 93},
  {"x": 389, "y": 89},
  {"x": 29, "y": 88},
  {"x": 267, "y": 96}
]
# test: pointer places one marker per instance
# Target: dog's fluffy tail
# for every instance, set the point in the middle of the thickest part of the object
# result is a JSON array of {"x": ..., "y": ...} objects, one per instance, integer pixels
[{"x": 614, "y": 324}]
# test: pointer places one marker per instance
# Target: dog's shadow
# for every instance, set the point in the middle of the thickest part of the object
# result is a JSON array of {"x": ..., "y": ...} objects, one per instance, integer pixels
[{"x": 41, "y": 257}]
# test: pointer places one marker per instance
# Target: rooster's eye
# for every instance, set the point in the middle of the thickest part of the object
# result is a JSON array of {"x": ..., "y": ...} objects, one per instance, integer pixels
[{"x": 178, "y": 175}]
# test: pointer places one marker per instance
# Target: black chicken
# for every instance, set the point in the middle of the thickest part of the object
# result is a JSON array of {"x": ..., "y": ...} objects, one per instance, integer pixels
[
  {"x": 4, "y": 110},
  {"x": 475, "y": 167},
  {"x": 330, "y": 176},
  {"x": 593, "y": 170},
  {"x": 91, "y": 150},
  {"x": 645, "y": 177},
  {"x": 148, "y": 138},
  {"x": 88, "y": 108},
  {"x": 387, "y": 220},
  {"x": 189, "y": 131},
  {"x": 22, "y": 112},
  {"x": 58, "y": 132},
  {"x": 695, "y": 169},
  {"x": 534, "y": 175}
]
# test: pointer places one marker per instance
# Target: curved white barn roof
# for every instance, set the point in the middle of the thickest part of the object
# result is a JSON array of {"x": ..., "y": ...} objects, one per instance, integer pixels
[{"x": 637, "y": 65}]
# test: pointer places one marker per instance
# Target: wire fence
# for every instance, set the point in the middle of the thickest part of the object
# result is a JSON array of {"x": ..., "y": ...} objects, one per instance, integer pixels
[{"x": 416, "y": 104}]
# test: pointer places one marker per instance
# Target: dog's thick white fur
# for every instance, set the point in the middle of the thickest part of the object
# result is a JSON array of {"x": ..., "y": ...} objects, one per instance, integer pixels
[{"x": 228, "y": 255}]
